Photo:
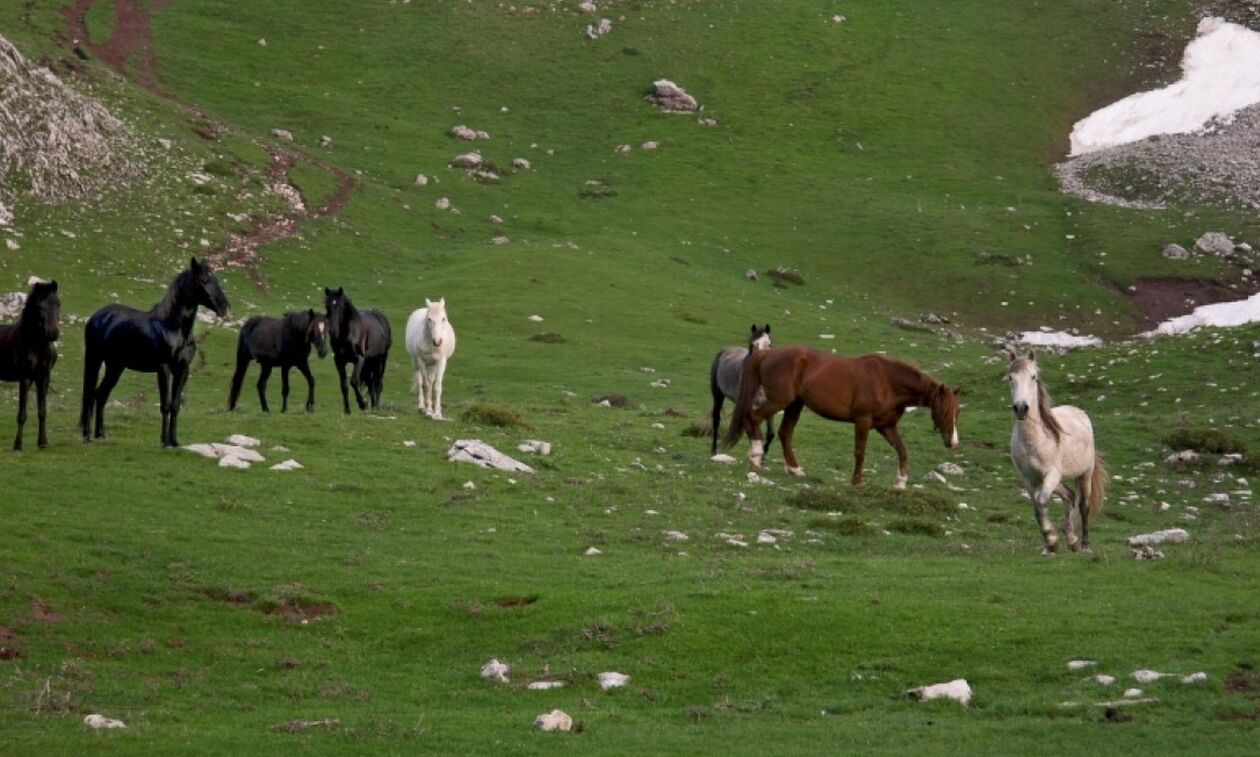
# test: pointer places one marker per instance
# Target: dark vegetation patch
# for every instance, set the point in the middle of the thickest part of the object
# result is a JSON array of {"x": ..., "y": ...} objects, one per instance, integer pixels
[
  {"x": 596, "y": 191},
  {"x": 698, "y": 429},
  {"x": 548, "y": 337},
  {"x": 288, "y": 602},
  {"x": 784, "y": 276},
  {"x": 489, "y": 414},
  {"x": 670, "y": 412},
  {"x": 859, "y": 498},
  {"x": 221, "y": 168},
  {"x": 999, "y": 517},
  {"x": 1003, "y": 259},
  {"x": 693, "y": 318},
  {"x": 849, "y": 525},
  {"x": 1203, "y": 440},
  {"x": 509, "y": 602},
  {"x": 916, "y": 526},
  {"x": 616, "y": 400}
]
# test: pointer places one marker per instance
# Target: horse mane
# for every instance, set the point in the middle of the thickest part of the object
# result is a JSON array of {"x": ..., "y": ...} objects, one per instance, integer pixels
[
  {"x": 163, "y": 309},
  {"x": 299, "y": 319},
  {"x": 1045, "y": 408}
]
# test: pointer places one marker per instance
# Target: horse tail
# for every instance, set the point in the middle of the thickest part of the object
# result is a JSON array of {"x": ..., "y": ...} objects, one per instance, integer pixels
[
  {"x": 1097, "y": 489},
  {"x": 749, "y": 385},
  {"x": 718, "y": 397},
  {"x": 91, "y": 371},
  {"x": 242, "y": 364}
]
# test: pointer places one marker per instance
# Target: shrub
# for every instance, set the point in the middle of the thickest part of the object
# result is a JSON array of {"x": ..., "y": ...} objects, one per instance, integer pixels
[
  {"x": 488, "y": 414},
  {"x": 548, "y": 337},
  {"x": 916, "y": 526},
  {"x": 857, "y": 498},
  {"x": 699, "y": 429},
  {"x": 1203, "y": 440}
]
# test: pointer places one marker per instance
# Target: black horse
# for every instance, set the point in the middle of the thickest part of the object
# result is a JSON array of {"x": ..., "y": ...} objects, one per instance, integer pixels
[
  {"x": 158, "y": 340},
  {"x": 285, "y": 342},
  {"x": 27, "y": 353},
  {"x": 724, "y": 375},
  {"x": 359, "y": 337}
]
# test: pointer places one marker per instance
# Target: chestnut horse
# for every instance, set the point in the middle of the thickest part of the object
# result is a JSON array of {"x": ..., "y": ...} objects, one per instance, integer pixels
[{"x": 871, "y": 392}]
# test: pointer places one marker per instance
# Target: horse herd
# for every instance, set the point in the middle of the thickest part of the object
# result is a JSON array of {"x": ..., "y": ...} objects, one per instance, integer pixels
[{"x": 1050, "y": 446}]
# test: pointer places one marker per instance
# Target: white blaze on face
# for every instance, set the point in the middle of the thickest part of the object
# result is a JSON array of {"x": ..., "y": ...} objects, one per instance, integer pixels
[
  {"x": 953, "y": 440},
  {"x": 1024, "y": 384},
  {"x": 761, "y": 343},
  {"x": 322, "y": 327}
]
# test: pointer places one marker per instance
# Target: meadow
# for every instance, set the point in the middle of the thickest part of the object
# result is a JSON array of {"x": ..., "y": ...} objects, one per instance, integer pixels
[{"x": 214, "y": 611}]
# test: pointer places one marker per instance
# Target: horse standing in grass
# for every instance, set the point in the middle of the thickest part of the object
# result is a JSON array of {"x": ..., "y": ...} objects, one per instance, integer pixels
[
  {"x": 430, "y": 342},
  {"x": 1050, "y": 445},
  {"x": 359, "y": 337},
  {"x": 871, "y": 392},
  {"x": 285, "y": 342},
  {"x": 28, "y": 353},
  {"x": 724, "y": 379},
  {"x": 158, "y": 340}
]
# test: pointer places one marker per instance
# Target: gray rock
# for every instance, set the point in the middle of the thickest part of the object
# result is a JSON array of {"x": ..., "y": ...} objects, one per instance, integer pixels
[
  {"x": 284, "y": 135},
  {"x": 1214, "y": 243},
  {"x": 1175, "y": 252},
  {"x": 671, "y": 97}
]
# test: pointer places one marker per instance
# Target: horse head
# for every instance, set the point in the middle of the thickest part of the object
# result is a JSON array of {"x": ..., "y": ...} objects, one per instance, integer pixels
[
  {"x": 42, "y": 311},
  {"x": 759, "y": 338},
  {"x": 945, "y": 410},
  {"x": 435, "y": 317},
  {"x": 335, "y": 310},
  {"x": 206, "y": 288},
  {"x": 317, "y": 332},
  {"x": 1023, "y": 378}
]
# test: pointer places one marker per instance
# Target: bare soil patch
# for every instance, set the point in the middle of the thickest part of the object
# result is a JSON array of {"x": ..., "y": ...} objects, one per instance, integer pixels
[{"x": 1161, "y": 298}]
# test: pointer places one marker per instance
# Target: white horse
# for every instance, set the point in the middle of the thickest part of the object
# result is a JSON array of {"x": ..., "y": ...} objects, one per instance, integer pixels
[
  {"x": 1050, "y": 445},
  {"x": 430, "y": 342}
]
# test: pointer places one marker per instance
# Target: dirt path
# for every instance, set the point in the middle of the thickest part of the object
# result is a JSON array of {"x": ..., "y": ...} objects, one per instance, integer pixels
[{"x": 132, "y": 43}]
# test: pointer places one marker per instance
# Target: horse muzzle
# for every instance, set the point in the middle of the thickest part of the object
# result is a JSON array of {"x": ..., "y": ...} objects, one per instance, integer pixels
[{"x": 1020, "y": 409}]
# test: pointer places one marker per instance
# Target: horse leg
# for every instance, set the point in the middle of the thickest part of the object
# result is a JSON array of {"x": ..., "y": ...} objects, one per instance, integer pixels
[
  {"x": 41, "y": 395},
  {"x": 284, "y": 388},
  {"x": 791, "y": 414},
  {"x": 861, "y": 428},
  {"x": 417, "y": 383},
  {"x": 756, "y": 448},
  {"x": 1041, "y": 500},
  {"x": 1069, "y": 507},
  {"x": 893, "y": 437},
  {"x": 1084, "y": 486},
  {"x": 426, "y": 386},
  {"x": 164, "y": 395},
  {"x": 310, "y": 385},
  {"x": 356, "y": 380},
  {"x": 770, "y": 432},
  {"x": 179, "y": 379},
  {"x": 264, "y": 373},
  {"x": 439, "y": 374},
  {"x": 715, "y": 416},
  {"x": 23, "y": 386},
  {"x": 378, "y": 382},
  {"x": 112, "y": 374},
  {"x": 345, "y": 390},
  {"x": 238, "y": 377}
]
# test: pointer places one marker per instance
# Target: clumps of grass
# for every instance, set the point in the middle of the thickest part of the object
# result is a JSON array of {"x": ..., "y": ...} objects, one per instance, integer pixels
[
  {"x": 630, "y": 51},
  {"x": 916, "y": 526},
  {"x": 858, "y": 498},
  {"x": 999, "y": 517},
  {"x": 616, "y": 400},
  {"x": 489, "y": 414},
  {"x": 784, "y": 277},
  {"x": 1003, "y": 259},
  {"x": 596, "y": 191},
  {"x": 1204, "y": 441},
  {"x": 849, "y": 525},
  {"x": 692, "y": 318},
  {"x": 221, "y": 168},
  {"x": 548, "y": 337},
  {"x": 700, "y": 429}
]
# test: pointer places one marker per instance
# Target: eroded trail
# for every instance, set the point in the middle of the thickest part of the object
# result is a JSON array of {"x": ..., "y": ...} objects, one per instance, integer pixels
[{"x": 130, "y": 52}]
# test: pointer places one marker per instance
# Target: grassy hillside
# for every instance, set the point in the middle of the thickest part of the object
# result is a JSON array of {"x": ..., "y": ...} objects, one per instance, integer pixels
[{"x": 210, "y": 609}]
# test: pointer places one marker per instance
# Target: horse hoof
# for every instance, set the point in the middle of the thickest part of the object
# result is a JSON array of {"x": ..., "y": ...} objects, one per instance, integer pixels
[
  {"x": 795, "y": 471},
  {"x": 1047, "y": 552}
]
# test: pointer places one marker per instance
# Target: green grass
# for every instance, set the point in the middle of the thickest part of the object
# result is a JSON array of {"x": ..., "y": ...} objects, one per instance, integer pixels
[{"x": 212, "y": 609}]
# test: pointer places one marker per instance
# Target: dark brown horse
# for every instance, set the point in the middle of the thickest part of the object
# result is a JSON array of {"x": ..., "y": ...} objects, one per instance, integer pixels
[
  {"x": 279, "y": 342},
  {"x": 871, "y": 392},
  {"x": 28, "y": 353},
  {"x": 359, "y": 337}
]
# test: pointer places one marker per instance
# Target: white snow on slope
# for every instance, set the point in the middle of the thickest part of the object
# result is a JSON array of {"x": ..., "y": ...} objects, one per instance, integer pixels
[
  {"x": 1057, "y": 339},
  {"x": 1237, "y": 313},
  {"x": 1220, "y": 75}
]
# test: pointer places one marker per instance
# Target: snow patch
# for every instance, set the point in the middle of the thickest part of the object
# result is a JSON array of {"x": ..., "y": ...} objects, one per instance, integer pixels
[
  {"x": 1236, "y": 313},
  {"x": 1058, "y": 339}
]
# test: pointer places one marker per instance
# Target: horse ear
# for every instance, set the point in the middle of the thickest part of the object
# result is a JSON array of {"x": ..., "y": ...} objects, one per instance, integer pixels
[
  {"x": 767, "y": 328},
  {"x": 327, "y": 292},
  {"x": 52, "y": 286},
  {"x": 958, "y": 391},
  {"x": 427, "y": 302},
  {"x": 1032, "y": 355},
  {"x": 442, "y": 302},
  {"x": 311, "y": 312},
  {"x": 753, "y": 328},
  {"x": 193, "y": 265},
  {"x": 341, "y": 291}
]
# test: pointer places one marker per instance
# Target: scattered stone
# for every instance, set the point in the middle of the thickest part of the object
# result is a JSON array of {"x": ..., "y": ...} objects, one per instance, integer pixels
[
  {"x": 98, "y": 721},
  {"x": 765, "y": 537},
  {"x": 676, "y": 536},
  {"x": 1080, "y": 664},
  {"x": 262, "y": 41},
  {"x": 611, "y": 680},
  {"x": 957, "y": 690},
  {"x": 520, "y": 164},
  {"x": 483, "y": 455},
  {"x": 1219, "y": 498},
  {"x": 241, "y": 440},
  {"x": 671, "y": 98},
  {"x": 586, "y": 6},
  {"x": 467, "y": 160},
  {"x": 750, "y": 274},
  {"x": 1175, "y": 252},
  {"x": 535, "y": 318},
  {"x": 499, "y": 241},
  {"x": 12, "y": 244},
  {"x": 1181, "y": 458},
  {"x": 465, "y": 133},
  {"x": 1199, "y": 677},
  {"x": 164, "y": 143},
  {"x": 469, "y": 485},
  {"x": 623, "y": 149},
  {"x": 1168, "y": 535},
  {"x": 754, "y": 478},
  {"x": 592, "y": 552},
  {"x": 1230, "y": 458},
  {"x": 556, "y": 720},
  {"x": 482, "y": 174},
  {"x": 422, "y": 180},
  {"x": 1146, "y": 676},
  {"x": 409, "y": 443},
  {"x": 706, "y": 121},
  {"x": 933, "y": 318},
  {"x": 1146, "y": 553},
  {"x": 205, "y": 450},
  {"x": 595, "y": 31},
  {"x": 723, "y": 458},
  {"x": 1214, "y": 243},
  {"x": 495, "y": 219},
  {"x": 535, "y": 446},
  {"x": 283, "y": 135},
  {"x": 495, "y": 671},
  {"x": 1104, "y": 680},
  {"x": 232, "y": 461},
  {"x": 650, "y": 145},
  {"x": 325, "y": 141},
  {"x": 289, "y": 464},
  {"x": 442, "y": 203},
  {"x": 544, "y": 685},
  {"x": 950, "y": 469}
]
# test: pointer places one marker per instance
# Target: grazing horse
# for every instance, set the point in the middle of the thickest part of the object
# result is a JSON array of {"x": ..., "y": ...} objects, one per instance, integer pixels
[
  {"x": 359, "y": 337},
  {"x": 430, "y": 342},
  {"x": 1050, "y": 445},
  {"x": 285, "y": 342},
  {"x": 724, "y": 379},
  {"x": 871, "y": 392},
  {"x": 158, "y": 340},
  {"x": 28, "y": 353}
]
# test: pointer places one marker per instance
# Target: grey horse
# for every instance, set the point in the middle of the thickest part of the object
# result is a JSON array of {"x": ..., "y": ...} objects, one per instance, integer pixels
[{"x": 724, "y": 374}]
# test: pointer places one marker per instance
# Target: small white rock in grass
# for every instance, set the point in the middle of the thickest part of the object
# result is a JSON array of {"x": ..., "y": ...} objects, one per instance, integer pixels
[
  {"x": 736, "y": 542},
  {"x": 469, "y": 485},
  {"x": 520, "y": 164},
  {"x": 279, "y": 448},
  {"x": 958, "y": 690},
  {"x": 205, "y": 450},
  {"x": 262, "y": 41},
  {"x": 592, "y": 552},
  {"x": 499, "y": 240},
  {"x": 442, "y": 203},
  {"x": 535, "y": 446},
  {"x": 754, "y": 478},
  {"x": 1199, "y": 677},
  {"x": 650, "y": 145},
  {"x": 556, "y": 720},
  {"x": 289, "y": 464},
  {"x": 282, "y": 134},
  {"x": 611, "y": 680},
  {"x": 237, "y": 451},
  {"x": 241, "y": 440},
  {"x": 1104, "y": 680},
  {"x": 544, "y": 685},
  {"x": 1168, "y": 536},
  {"x": 723, "y": 458},
  {"x": 483, "y": 455},
  {"x": 409, "y": 442},
  {"x": 495, "y": 671},
  {"x": 1132, "y": 693},
  {"x": 676, "y": 536},
  {"x": 232, "y": 461},
  {"x": 766, "y": 538},
  {"x": 1079, "y": 664},
  {"x": 422, "y": 180},
  {"x": 467, "y": 160},
  {"x": 1147, "y": 676},
  {"x": 96, "y": 720},
  {"x": 535, "y": 318},
  {"x": 950, "y": 469},
  {"x": 1219, "y": 498}
]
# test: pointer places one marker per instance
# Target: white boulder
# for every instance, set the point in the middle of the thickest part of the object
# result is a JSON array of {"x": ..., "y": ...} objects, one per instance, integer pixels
[
  {"x": 612, "y": 680},
  {"x": 556, "y": 720},
  {"x": 958, "y": 690},
  {"x": 96, "y": 720},
  {"x": 1166, "y": 536},
  {"x": 483, "y": 455},
  {"x": 495, "y": 671}
]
